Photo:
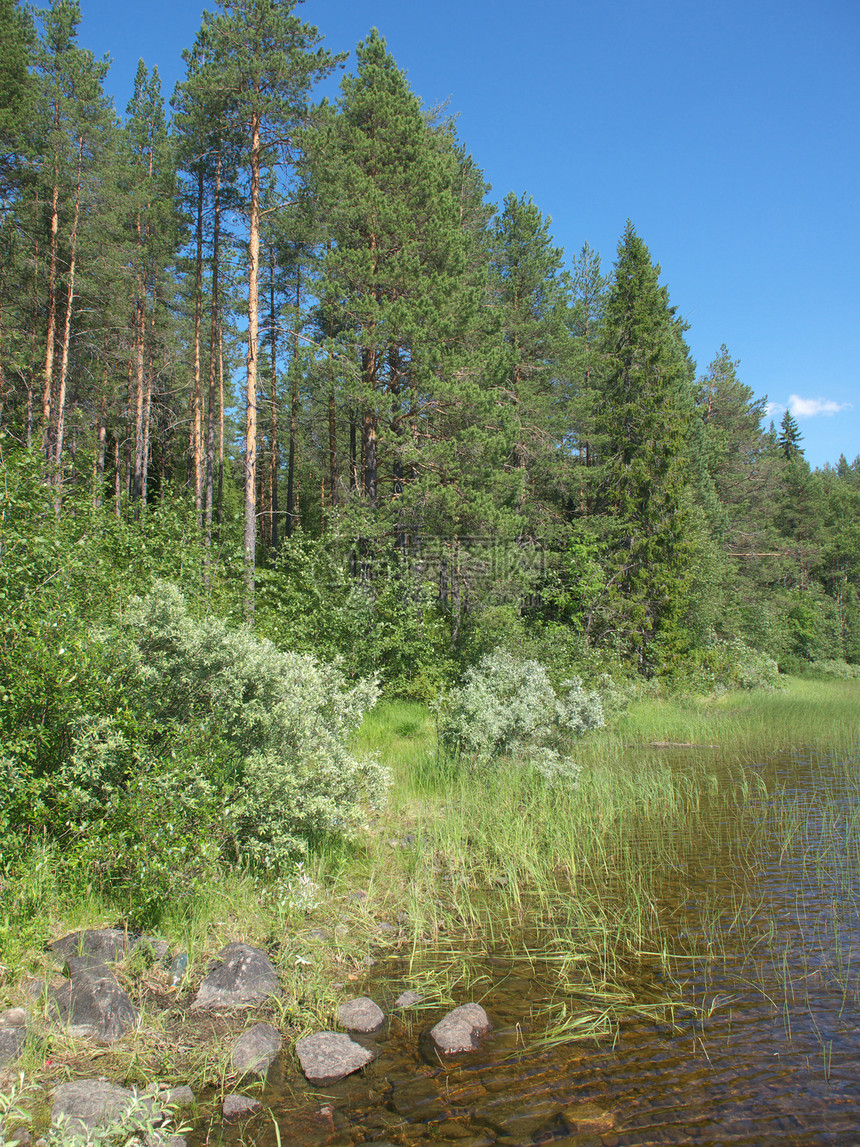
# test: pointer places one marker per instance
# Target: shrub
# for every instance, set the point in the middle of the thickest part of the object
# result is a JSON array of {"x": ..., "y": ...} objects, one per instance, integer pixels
[
  {"x": 508, "y": 707},
  {"x": 271, "y": 727},
  {"x": 833, "y": 668},
  {"x": 723, "y": 665}
]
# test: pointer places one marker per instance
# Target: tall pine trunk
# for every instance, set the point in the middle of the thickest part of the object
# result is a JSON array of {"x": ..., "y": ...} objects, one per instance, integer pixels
[
  {"x": 273, "y": 425},
  {"x": 250, "y": 533},
  {"x": 213, "y": 355},
  {"x": 196, "y": 431},
  {"x": 67, "y": 328}
]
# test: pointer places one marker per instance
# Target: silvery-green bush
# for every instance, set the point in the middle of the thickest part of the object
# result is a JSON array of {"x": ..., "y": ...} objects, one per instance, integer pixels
[
  {"x": 268, "y": 729},
  {"x": 508, "y": 707}
]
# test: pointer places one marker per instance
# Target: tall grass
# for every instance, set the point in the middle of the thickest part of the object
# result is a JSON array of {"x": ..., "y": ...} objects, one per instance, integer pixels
[{"x": 578, "y": 875}]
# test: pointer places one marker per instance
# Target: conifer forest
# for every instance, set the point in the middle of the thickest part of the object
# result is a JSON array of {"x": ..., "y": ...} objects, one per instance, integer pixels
[{"x": 283, "y": 363}]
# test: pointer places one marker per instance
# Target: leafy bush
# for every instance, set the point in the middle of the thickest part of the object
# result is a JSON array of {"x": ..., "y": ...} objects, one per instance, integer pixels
[
  {"x": 723, "y": 665},
  {"x": 387, "y": 621},
  {"x": 833, "y": 668},
  {"x": 275, "y": 724},
  {"x": 508, "y": 707}
]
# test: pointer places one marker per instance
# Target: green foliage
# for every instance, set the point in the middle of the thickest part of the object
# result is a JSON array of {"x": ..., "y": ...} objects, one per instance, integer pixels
[
  {"x": 724, "y": 665},
  {"x": 387, "y": 622},
  {"x": 508, "y": 707},
  {"x": 141, "y": 1122},
  {"x": 645, "y": 416},
  {"x": 277, "y": 723},
  {"x": 833, "y": 667}
]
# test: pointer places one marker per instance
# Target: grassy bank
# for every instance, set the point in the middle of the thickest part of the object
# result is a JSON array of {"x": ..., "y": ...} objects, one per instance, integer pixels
[{"x": 462, "y": 862}]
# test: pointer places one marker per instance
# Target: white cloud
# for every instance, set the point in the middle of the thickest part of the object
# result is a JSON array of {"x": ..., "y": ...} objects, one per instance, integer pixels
[
  {"x": 811, "y": 407},
  {"x": 773, "y": 408}
]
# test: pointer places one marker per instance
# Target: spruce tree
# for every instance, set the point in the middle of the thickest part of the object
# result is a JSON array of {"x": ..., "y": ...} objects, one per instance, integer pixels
[{"x": 644, "y": 414}]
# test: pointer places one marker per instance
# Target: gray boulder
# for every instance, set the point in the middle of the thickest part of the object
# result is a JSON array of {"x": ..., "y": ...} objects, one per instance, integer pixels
[
  {"x": 90, "y": 1103},
  {"x": 13, "y": 1033},
  {"x": 177, "y": 1097},
  {"x": 327, "y": 1057},
  {"x": 239, "y": 1107},
  {"x": 106, "y": 945},
  {"x": 255, "y": 1050},
  {"x": 92, "y": 1005},
  {"x": 11, "y": 1044},
  {"x": 460, "y": 1029},
  {"x": 360, "y": 1015},
  {"x": 239, "y": 977}
]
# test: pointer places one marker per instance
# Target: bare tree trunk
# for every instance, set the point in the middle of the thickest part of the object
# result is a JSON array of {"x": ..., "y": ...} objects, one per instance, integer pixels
[
  {"x": 139, "y": 345},
  {"x": 273, "y": 433},
  {"x": 67, "y": 328},
  {"x": 353, "y": 453},
  {"x": 196, "y": 433},
  {"x": 147, "y": 408},
  {"x": 250, "y": 533},
  {"x": 332, "y": 449},
  {"x": 117, "y": 481},
  {"x": 48, "y": 387},
  {"x": 213, "y": 348},
  {"x": 220, "y": 425},
  {"x": 292, "y": 496},
  {"x": 101, "y": 442}
]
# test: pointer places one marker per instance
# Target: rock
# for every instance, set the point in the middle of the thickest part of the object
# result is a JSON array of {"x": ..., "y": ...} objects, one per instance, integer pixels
[
  {"x": 327, "y": 1057},
  {"x": 89, "y": 1103},
  {"x": 13, "y": 1018},
  {"x": 107, "y": 945},
  {"x": 93, "y": 1005},
  {"x": 177, "y": 1097},
  {"x": 408, "y": 999},
  {"x": 239, "y": 1107},
  {"x": 360, "y": 1015},
  {"x": 589, "y": 1119},
  {"x": 159, "y": 950},
  {"x": 239, "y": 977},
  {"x": 255, "y": 1049},
  {"x": 458, "y": 1031},
  {"x": 319, "y": 935},
  {"x": 11, "y": 1043}
]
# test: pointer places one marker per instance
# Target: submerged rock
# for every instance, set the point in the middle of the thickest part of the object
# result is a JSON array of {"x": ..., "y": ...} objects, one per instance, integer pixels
[
  {"x": 460, "y": 1029},
  {"x": 408, "y": 999},
  {"x": 360, "y": 1015},
  {"x": 239, "y": 1107},
  {"x": 92, "y": 1005},
  {"x": 239, "y": 977},
  {"x": 589, "y": 1119},
  {"x": 327, "y": 1057},
  {"x": 255, "y": 1050}
]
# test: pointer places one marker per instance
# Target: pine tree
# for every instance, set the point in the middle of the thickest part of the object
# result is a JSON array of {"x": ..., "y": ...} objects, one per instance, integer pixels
[
  {"x": 530, "y": 296},
  {"x": 264, "y": 62},
  {"x": 392, "y": 283}
]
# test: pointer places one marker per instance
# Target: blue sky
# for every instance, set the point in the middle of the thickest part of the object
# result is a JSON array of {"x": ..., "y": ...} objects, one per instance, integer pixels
[{"x": 726, "y": 131}]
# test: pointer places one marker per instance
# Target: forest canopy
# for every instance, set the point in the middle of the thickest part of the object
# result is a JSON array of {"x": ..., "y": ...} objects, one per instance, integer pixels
[{"x": 289, "y": 355}]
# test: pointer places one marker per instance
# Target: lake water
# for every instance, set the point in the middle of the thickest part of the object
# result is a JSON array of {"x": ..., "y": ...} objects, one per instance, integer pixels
[{"x": 761, "y": 1047}]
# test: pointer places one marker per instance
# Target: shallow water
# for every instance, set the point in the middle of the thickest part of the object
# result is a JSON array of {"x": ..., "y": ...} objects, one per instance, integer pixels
[{"x": 763, "y": 1045}]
